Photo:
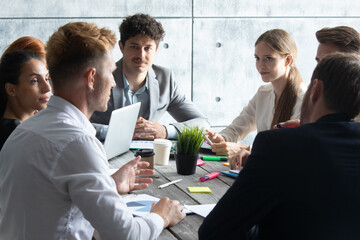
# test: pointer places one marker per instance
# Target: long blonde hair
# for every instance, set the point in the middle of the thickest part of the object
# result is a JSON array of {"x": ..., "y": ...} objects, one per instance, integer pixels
[{"x": 281, "y": 41}]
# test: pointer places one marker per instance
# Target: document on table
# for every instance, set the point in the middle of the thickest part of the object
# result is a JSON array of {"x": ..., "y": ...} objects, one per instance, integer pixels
[
  {"x": 142, "y": 144},
  {"x": 202, "y": 210},
  {"x": 204, "y": 145},
  {"x": 140, "y": 204},
  {"x": 112, "y": 170},
  {"x": 147, "y": 144}
]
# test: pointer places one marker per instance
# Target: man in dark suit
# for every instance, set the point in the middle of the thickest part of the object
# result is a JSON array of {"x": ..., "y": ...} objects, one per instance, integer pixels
[
  {"x": 337, "y": 39},
  {"x": 138, "y": 80},
  {"x": 331, "y": 40},
  {"x": 304, "y": 182}
]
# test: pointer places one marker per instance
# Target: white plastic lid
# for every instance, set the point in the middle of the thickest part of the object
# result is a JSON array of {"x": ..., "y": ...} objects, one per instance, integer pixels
[{"x": 163, "y": 142}]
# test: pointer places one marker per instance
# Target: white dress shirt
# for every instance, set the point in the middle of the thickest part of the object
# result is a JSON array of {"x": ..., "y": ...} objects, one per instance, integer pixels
[
  {"x": 54, "y": 182},
  {"x": 258, "y": 114}
]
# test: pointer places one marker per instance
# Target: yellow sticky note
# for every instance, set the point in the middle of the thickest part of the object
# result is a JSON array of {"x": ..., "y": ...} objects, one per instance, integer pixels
[{"x": 199, "y": 189}]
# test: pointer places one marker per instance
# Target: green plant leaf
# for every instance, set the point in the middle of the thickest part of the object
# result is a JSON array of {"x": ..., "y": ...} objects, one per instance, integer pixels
[{"x": 189, "y": 140}]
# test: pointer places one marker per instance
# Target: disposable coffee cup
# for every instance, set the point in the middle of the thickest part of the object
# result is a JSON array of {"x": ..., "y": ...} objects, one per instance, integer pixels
[
  {"x": 147, "y": 155},
  {"x": 162, "y": 151}
]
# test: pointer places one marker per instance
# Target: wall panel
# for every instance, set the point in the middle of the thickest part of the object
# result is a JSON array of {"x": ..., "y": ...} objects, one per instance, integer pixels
[
  {"x": 225, "y": 76},
  {"x": 279, "y": 8},
  {"x": 209, "y": 44},
  {"x": 93, "y": 8}
]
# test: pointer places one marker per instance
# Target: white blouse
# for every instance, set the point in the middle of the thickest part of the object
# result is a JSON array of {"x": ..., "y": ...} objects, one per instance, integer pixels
[{"x": 258, "y": 114}]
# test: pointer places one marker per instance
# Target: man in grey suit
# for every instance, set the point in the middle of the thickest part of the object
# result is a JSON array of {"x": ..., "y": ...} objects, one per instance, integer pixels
[{"x": 138, "y": 80}]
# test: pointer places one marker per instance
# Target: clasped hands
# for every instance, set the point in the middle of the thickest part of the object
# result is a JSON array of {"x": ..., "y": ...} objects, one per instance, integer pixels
[{"x": 148, "y": 130}]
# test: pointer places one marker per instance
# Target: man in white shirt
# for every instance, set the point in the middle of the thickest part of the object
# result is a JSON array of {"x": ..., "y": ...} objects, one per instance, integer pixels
[{"x": 54, "y": 173}]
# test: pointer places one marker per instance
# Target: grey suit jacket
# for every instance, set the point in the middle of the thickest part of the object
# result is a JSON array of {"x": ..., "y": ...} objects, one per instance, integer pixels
[{"x": 164, "y": 96}]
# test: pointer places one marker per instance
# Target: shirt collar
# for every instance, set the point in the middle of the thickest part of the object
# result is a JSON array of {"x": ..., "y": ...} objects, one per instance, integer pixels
[
  {"x": 68, "y": 108},
  {"x": 140, "y": 90}
]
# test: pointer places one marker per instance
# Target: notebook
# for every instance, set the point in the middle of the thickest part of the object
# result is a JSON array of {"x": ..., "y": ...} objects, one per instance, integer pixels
[{"x": 121, "y": 128}]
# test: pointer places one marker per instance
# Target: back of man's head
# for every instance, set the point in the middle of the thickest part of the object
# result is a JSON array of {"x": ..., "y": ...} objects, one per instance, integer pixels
[
  {"x": 143, "y": 25},
  {"x": 346, "y": 38},
  {"x": 74, "y": 47},
  {"x": 340, "y": 74}
]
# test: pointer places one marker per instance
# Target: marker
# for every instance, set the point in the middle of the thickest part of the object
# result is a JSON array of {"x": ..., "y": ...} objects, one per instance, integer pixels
[
  {"x": 209, "y": 141},
  {"x": 288, "y": 126},
  {"x": 169, "y": 183},
  {"x": 212, "y": 158},
  {"x": 209, "y": 176},
  {"x": 200, "y": 162}
]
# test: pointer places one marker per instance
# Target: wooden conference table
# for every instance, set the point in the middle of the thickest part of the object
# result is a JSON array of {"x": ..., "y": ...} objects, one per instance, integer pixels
[{"x": 188, "y": 228}]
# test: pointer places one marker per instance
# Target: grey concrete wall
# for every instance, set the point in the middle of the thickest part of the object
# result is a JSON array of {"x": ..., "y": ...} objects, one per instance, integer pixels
[{"x": 210, "y": 42}]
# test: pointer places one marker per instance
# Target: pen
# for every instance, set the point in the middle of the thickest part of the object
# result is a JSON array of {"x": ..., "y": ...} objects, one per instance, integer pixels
[
  {"x": 209, "y": 176},
  {"x": 169, "y": 183},
  {"x": 212, "y": 158},
  {"x": 288, "y": 126},
  {"x": 209, "y": 141}
]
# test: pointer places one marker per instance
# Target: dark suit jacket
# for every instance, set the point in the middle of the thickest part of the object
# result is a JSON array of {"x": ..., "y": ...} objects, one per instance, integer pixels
[
  {"x": 300, "y": 183},
  {"x": 164, "y": 96}
]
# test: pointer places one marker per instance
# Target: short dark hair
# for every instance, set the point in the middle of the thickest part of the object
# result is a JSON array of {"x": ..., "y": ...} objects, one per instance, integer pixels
[
  {"x": 10, "y": 69},
  {"x": 141, "y": 24},
  {"x": 340, "y": 74},
  {"x": 346, "y": 38}
]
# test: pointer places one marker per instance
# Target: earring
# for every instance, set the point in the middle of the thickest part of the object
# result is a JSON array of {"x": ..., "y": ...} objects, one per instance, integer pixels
[{"x": 92, "y": 90}]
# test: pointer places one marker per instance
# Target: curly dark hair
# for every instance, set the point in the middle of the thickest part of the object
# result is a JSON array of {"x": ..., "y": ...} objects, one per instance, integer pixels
[{"x": 141, "y": 24}]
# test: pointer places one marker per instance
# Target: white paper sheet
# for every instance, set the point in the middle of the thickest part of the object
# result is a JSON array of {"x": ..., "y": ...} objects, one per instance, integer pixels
[
  {"x": 112, "y": 171},
  {"x": 140, "y": 204},
  {"x": 142, "y": 144},
  {"x": 202, "y": 210},
  {"x": 204, "y": 145}
]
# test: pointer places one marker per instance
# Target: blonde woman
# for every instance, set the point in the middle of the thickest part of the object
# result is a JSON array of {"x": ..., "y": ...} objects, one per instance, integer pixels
[{"x": 276, "y": 101}]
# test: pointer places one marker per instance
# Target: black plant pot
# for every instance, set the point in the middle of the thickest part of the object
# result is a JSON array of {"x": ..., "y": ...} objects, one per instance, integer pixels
[{"x": 186, "y": 164}]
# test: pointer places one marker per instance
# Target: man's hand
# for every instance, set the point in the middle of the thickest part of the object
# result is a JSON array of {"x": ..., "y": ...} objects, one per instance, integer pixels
[
  {"x": 169, "y": 210},
  {"x": 215, "y": 137},
  {"x": 125, "y": 177},
  {"x": 288, "y": 124},
  {"x": 148, "y": 130},
  {"x": 229, "y": 149},
  {"x": 239, "y": 159}
]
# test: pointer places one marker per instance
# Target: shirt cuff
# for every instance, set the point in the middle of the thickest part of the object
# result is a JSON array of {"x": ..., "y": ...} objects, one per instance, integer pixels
[
  {"x": 156, "y": 223},
  {"x": 171, "y": 131}
]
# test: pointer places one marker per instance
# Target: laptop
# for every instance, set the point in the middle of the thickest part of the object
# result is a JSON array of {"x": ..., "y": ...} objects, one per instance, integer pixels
[{"x": 121, "y": 129}]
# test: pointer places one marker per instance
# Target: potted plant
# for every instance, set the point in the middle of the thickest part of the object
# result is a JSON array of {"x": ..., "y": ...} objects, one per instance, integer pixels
[{"x": 187, "y": 149}]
